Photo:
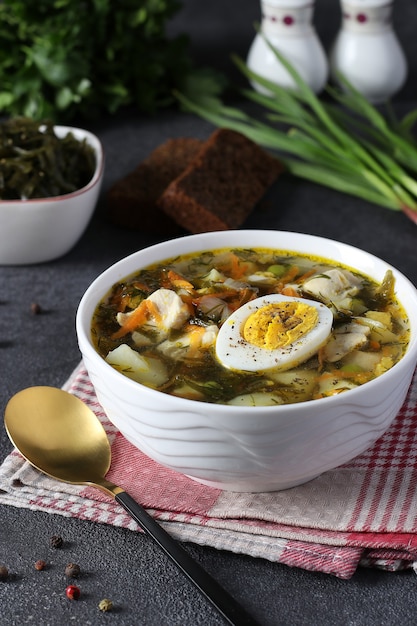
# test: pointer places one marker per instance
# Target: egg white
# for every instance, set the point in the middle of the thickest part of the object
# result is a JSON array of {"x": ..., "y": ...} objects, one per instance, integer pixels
[{"x": 235, "y": 353}]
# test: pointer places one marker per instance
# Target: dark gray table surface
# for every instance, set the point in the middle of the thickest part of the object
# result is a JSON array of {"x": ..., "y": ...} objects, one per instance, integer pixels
[{"x": 42, "y": 350}]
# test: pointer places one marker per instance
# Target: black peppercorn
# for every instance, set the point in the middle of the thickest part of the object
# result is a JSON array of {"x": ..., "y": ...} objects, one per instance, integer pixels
[
  {"x": 57, "y": 541},
  {"x": 35, "y": 308},
  {"x": 72, "y": 570}
]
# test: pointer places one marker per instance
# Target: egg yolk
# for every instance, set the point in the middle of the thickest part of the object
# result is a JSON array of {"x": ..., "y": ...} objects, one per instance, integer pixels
[{"x": 279, "y": 324}]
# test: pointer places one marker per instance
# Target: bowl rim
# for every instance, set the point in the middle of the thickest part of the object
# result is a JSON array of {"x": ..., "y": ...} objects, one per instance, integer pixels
[
  {"x": 97, "y": 146},
  {"x": 179, "y": 403}
]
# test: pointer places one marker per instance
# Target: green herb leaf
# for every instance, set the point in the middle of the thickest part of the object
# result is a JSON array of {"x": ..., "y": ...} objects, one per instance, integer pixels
[{"x": 61, "y": 58}]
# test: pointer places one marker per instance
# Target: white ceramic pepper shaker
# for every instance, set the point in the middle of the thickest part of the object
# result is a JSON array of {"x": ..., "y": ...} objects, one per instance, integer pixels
[
  {"x": 367, "y": 51},
  {"x": 288, "y": 26}
]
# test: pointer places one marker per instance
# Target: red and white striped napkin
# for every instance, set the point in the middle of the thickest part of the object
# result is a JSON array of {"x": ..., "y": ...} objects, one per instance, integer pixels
[{"x": 362, "y": 513}]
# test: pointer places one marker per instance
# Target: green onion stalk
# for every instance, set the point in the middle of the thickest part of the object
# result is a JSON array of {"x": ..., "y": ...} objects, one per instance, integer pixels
[{"x": 345, "y": 144}]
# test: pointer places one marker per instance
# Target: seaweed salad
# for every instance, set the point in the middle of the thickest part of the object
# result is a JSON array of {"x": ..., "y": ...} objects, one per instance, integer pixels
[{"x": 35, "y": 163}]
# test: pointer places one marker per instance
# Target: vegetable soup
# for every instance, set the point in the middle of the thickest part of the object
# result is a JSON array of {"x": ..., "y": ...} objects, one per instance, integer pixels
[{"x": 253, "y": 327}]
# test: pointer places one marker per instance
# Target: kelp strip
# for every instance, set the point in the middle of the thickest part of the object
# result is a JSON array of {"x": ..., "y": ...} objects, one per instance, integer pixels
[{"x": 35, "y": 163}]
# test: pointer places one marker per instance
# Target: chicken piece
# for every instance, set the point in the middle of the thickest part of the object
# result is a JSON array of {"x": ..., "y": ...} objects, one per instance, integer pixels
[
  {"x": 380, "y": 324},
  {"x": 173, "y": 311},
  {"x": 167, "y": 311},
  {"x": 344, "y": 340},
  {"x": 383, "y": 317},
  {"x": 334, "y": 287}
]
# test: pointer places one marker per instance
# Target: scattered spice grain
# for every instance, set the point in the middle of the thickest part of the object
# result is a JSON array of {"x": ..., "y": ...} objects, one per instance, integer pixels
[
  {"x": 72, "y": 570},
  {"x": 56, "y": 541},
  {"x": 105, "y": 605},
  {"x": 73, "y": 592},
  {"x": 40, "y": 565},
  {"x": 35, "y": 308},
  {"x": 4, "y": 572}
]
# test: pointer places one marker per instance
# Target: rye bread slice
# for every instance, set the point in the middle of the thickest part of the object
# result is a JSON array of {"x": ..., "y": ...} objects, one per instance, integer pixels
[
  {"x": 132, "y": 200},
  {"x": 222, "y": 184}
]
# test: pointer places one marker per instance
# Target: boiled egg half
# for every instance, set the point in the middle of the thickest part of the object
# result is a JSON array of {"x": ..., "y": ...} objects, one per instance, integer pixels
[{"x": 273, "y": 332}]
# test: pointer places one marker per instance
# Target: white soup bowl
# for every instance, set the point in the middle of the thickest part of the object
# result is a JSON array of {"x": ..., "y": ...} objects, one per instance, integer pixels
[
  {"x": 257, "y": 448},
  {"x": 43, "y": 229}
]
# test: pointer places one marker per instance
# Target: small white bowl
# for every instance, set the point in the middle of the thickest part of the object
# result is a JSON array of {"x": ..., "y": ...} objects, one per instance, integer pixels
[
  {"x": 43, "y": 229},
  {"x": 249, "y": 448}
]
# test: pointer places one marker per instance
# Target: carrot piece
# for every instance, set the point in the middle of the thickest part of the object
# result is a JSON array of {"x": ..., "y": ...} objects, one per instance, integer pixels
[
  {"x": 154, "y": 311},
  {"x": 190, "y": 300},
  {"x": 240, "y": 297},
  {"x": 306, "y": 275},
  {"x": 195, "y": 334},
  {"x": 290, "y": 275},
  {"x": 179, "y": 281},
  {"x": 325, "y": 376},
  {"x": 237, "y": 269},
  {"x": 138, "y": 317},
  {"x": 171, "y": 278},
  {"x": 359, "y": 377},
  {"x": 287, "y": 278},
  {"x": 289, "y": 291},
  {"x": 225, "y": 294}
]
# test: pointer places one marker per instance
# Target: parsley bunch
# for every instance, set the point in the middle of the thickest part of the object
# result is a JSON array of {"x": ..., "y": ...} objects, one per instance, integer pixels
[{"x": 61, "y": 58}]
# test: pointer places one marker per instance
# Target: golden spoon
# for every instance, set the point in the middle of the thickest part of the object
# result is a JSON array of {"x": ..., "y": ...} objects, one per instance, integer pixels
[{"x": 60, "y": 436}]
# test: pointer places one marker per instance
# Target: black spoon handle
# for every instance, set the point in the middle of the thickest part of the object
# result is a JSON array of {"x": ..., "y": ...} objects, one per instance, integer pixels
[{"x": 231, "y": 610}]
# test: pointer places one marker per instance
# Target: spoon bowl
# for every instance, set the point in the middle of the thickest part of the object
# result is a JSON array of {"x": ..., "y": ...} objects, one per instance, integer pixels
[
  {"x": 72, "y": 446},
  {"x": 62, "y": 437}
]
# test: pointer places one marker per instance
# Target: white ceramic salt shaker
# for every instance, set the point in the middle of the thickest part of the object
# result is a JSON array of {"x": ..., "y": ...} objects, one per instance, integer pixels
[
  {"x": 288, "y": 26},
  {"x": 367, "y": 51}
]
